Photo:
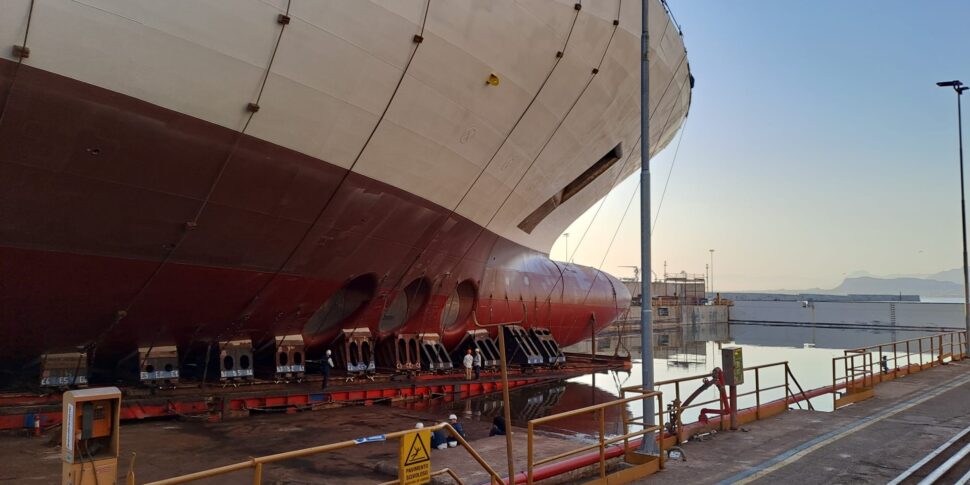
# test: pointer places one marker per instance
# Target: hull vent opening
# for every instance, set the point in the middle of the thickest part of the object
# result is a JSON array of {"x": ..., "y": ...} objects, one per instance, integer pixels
[
  {"x": 406, "y": 304},
  {"x": 342, "y": 305},
  {"x": 459, "y": 305},
  {"x": 572, "y": 188}
]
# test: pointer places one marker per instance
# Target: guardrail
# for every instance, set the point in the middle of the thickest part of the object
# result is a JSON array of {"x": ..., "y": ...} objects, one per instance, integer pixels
[
  {"x": 856, "y": 379},
  {"x": 643, "y": 467},
  {"x": 257, "y": 464},
  {"x": 763, "y": 406},
  {"x": 861, "y": 369},
  {"x": 918, "y": 353},
  {"x": 444, "y": 471}
]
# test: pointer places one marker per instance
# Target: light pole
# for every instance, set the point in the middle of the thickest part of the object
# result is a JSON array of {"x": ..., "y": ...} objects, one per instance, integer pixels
[
  {"x": 707, "y": 277},
  {"x": 959, "y": 88},
  {"x": 565, "y": 236},
  {"x": 647, "y": 443},
  {"x": 712, "y": 272}
]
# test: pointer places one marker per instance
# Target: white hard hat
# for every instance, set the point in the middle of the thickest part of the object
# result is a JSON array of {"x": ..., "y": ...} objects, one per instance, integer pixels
[
  {"x": 419, "y": 426},
  {"x": 328, "y": 352},
  {"x": 452, "y": 417}
]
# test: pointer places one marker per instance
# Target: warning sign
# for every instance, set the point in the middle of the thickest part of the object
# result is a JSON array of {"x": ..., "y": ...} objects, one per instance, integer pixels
[{"x": 415, "y": 465}]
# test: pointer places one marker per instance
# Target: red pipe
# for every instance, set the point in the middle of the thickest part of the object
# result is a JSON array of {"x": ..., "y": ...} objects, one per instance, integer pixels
[{"x": 553, "y": 469}]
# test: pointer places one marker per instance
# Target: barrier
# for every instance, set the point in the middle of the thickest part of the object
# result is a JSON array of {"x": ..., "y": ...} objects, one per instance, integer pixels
[
  {"x": 856, "y": 378},
  {"x": 259, "y": 463},
  {"x": 643, "y": 465},
  {"x": 861, "y": 369},
  {"x": 916, "y": 353},
  {"x": 764, "y": 407}
]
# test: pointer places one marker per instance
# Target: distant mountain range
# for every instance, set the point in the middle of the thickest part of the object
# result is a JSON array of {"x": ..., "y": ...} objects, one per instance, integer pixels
[
  {"x": 890, "y": 286},
  {"x": 947, "y": 283},
  {"x": 952, "y": 275}
]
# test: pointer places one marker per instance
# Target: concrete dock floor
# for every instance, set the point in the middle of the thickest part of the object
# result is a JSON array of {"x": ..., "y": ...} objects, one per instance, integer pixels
[
  {"x": 167, "y": 448},
  {"x": 869, "y": 442},
  {"x": 872, "y": 441}
]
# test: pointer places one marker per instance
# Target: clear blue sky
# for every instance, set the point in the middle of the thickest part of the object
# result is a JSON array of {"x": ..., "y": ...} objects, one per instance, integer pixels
[{"x": 817, "y": 145}]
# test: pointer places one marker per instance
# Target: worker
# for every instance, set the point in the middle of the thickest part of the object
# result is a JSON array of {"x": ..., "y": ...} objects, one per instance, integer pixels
[
  {"x": 498, "y": 427},
  {"x": 325, "y": 367},
  {"x": 468, "y": 361},
  {"x": 477, "y": 364},
  {"x": 884, "y": 363},
  {"x": 439, "y": 439},
  {"x": 453, "y": 421}
]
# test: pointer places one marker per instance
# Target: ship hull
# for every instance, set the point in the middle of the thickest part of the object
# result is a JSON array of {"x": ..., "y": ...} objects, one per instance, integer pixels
[
  {"x": 96, "y": 253},
  {"x": 254, "y": 169}
]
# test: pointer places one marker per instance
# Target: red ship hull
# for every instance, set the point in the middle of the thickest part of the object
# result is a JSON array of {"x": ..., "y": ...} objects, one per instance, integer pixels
[{"x": 123, "y": 224}]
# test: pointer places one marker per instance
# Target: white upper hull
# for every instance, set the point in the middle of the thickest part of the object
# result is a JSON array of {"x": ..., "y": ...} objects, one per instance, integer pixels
[{"x": 349, "y": 86}]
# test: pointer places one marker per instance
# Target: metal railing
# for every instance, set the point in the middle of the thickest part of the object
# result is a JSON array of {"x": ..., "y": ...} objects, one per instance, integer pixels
[
  {"x": 916, "y": 353},
  {"x": 257, "y": 464},
  {"x": 599, "y": 410},
  {"x": 861, "y": 369},
  {"x": 444, "y": 471},
  {"x": 759, "y": 393},
  {"x": 856, "y": 378}
]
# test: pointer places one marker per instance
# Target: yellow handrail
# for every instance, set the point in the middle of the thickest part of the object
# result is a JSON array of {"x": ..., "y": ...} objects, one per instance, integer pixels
[
  {"x": 916, "y": 353},
  {"x": 603, "y": 441},
  {"x": 757, "y": 392},
  {"x": 257, "y": 463}
]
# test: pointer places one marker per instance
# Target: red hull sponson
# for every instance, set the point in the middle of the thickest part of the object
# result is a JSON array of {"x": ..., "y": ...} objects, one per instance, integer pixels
[{"x": 98, "y": 248}]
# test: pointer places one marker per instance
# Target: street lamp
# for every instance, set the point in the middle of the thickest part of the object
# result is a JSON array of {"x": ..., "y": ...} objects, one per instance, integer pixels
[
  {"x": 712, "y": 272},
  {"x": 565, "y": 236},
  {"x": 959, "y": 88}
]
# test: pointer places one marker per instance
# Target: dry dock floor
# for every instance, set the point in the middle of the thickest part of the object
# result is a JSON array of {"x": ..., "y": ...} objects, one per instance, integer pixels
[
  {"x": 869, "y": 442},
  {"x": 167, "y": 448},
  {"x": 872, "y": 441}
]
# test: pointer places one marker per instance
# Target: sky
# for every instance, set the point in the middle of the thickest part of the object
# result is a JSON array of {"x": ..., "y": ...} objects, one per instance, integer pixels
[{"x": 817, "y": 145}]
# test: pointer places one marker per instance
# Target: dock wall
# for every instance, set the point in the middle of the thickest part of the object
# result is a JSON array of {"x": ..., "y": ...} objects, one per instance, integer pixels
[{"x": 898, "y": 314}]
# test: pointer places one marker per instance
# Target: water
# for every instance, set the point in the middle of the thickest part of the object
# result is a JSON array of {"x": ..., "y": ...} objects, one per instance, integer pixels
[{"x": 684, "y": 351}]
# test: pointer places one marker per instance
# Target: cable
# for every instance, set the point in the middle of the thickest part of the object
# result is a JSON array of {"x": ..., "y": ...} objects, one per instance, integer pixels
[
  {"x": 673, "y": 162},
  {"x": 20, "y": 61},
  {"x": 664, "y": 129},
  {"x": 491, "y": 159},
  {"x": 94, "y": 468},
  {"x": 191, "y": 225},
  {"x": 346, "y": 173}
]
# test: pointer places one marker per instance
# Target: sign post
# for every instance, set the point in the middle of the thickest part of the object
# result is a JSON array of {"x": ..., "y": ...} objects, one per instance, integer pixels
[{"x": 414, "y": 467}]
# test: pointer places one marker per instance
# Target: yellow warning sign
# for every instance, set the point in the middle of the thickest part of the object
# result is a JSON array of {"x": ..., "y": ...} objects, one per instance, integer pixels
[{"x": 415, "y": 465}]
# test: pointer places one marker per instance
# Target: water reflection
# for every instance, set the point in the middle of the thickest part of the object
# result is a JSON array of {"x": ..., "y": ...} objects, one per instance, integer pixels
[
  {"x": 828, "y": 338},
  {"x": 543, "y": 400},
  {"x": 681, "y": 351},
  {"x": 684, "y": 346}
]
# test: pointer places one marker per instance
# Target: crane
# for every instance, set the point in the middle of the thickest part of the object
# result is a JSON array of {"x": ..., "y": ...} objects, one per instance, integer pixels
[{"x": 636, "y": 272}]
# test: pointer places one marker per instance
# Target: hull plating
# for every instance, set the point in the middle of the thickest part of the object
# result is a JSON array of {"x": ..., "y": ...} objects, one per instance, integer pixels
[{"x": 97, "y": 190}]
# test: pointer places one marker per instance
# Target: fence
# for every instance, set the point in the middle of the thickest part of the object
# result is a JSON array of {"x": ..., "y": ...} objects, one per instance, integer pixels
[
  {"x": 861, "y": 369},
  {"x": 643, "y": 466},
  {"x": 257, "y": 464},
  {"x": 764, "y": 406}
]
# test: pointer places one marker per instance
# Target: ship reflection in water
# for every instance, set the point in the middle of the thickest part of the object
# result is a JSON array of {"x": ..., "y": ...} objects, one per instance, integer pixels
[
  {"x": 679, "y": 351},
  {"x": 544, "y": 400}
]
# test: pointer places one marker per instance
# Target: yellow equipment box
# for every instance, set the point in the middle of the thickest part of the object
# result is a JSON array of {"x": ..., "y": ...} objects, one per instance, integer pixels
[{"x": 90, "y": 436}]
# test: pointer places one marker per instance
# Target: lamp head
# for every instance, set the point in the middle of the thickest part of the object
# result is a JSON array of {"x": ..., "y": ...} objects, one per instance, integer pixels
[{"x": 946, "y": 84}]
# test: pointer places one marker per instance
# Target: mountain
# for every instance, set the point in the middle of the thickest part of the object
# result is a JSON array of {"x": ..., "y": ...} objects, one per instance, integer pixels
[
  {"x": 892, "y": 286},
  {"x": 952, "y": 275}
]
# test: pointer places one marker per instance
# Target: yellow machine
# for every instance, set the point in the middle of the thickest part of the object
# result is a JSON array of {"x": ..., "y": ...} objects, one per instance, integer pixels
[{"x": 90, "y": 436}]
